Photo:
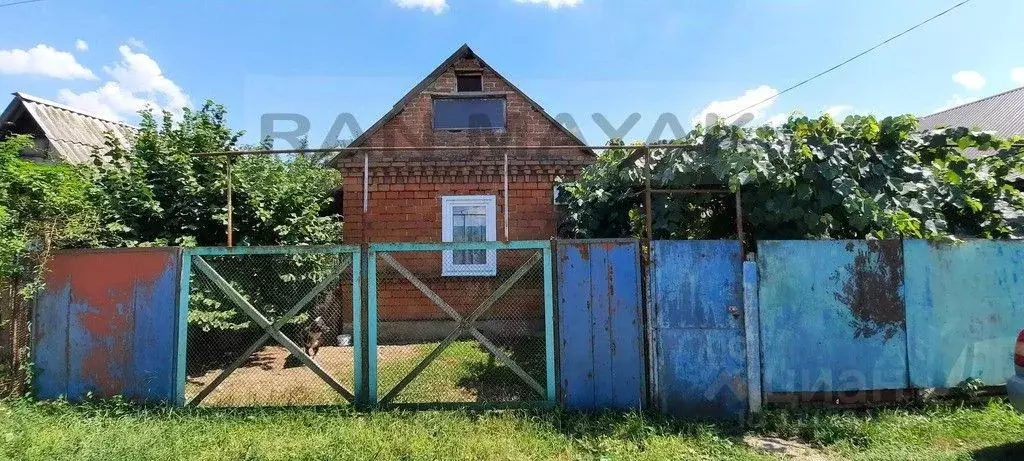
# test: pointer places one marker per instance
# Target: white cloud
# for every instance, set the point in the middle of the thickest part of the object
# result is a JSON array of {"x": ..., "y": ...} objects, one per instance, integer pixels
[
  {"x": 956, "y": 100},
  {"x": 743, "y": 102},
  {"x": 554, "y": 4},
  {"x": 45, "y": 61},
  {"x": 110, "y": 100},
  {"x": 437, "y": 6},
  {"x": 1017, "y": 74},
  {"x": 970, "y": 79},
  {"x": 836, "y": 111},
  {"x": 80, "y": 45},
  {"x": 136, "y": 43},
  {"x": 137, "y": 82}
]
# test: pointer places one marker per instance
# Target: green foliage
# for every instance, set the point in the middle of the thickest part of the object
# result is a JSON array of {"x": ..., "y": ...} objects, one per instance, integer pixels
[
  {"x": 811, "y": 178},
  {"x": 156, "y": 192},
  {"x": 42, "y": 207}
]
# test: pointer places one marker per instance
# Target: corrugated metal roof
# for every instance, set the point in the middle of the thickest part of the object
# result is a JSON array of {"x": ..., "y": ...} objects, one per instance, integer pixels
[
  {"x": 73, "y": 133},
  {"x": 1002, "y": 113}
]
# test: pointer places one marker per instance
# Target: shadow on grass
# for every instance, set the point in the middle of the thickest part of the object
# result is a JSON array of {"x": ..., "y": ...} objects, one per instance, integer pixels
[
  {"x": 494, "y": 382},
  {"x": 1009, "y": 451}
]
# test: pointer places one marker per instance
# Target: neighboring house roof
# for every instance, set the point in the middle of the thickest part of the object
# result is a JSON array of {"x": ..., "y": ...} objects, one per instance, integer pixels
[
  {"x": 72, "y": 133},
  {"x": 1002, "y": 113},
  {"x": 463, "y": 52}
]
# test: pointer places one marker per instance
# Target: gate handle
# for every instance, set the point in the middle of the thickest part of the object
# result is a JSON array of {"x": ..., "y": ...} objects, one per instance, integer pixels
[{"x": 735, "y": 312}]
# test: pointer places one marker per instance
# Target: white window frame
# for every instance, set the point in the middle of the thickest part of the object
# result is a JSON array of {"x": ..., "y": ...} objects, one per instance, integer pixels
[{"x": 448, "y": 266}]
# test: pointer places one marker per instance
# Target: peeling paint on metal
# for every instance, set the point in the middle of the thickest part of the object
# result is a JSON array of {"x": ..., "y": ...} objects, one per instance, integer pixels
[
  {"x": 600, "y": 328},
  {"x": 832, "y": 316},
  {"x": 116, "y": 311},
  {"x": 700, "y": 352},
  {"x": 872, "y": 289}
]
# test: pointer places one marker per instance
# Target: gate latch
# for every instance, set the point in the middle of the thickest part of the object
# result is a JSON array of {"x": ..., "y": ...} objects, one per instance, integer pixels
[{"x": 734, "y": 312}]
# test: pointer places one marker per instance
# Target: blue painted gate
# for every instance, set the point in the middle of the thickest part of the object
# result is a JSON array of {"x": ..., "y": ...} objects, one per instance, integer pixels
[
  {"x": 600, "y": 325},
  {"x": 696, "y": 294}
]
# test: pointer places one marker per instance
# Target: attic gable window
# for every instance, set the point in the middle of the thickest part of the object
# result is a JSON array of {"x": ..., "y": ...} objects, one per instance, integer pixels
[
  {"x": 469, "y": 83},
  {"x": 461, "y": 113}
]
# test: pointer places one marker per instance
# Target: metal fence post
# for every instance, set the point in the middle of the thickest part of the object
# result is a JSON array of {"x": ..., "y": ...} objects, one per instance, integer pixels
[
  {"x": 359, "y": 324},
  {"x": 549, "y": 324},
  {"x": 370, "y": 277},
  {"x": 181, "y": 347},
  {"x": 752, "y": 325}
]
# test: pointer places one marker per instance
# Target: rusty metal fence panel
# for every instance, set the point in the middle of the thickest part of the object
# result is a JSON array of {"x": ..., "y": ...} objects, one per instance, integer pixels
[
  {"x": 698, "y": 340},
  {"x": 461, "y": 323},
  {"x": 271, "y": 326},
  {"x": 833, "y": 317},
  {"x": 600, "y": 325},
  {"x": 105, "y": 325}
]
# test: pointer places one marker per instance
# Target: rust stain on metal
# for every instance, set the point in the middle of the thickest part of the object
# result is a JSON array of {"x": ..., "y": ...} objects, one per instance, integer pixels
[
  {"x": 109, "y": 297},
  {"x": 584, "y": 251},
  {"x": 610, "y": 275},
  {"x": 872, "y": 290}
]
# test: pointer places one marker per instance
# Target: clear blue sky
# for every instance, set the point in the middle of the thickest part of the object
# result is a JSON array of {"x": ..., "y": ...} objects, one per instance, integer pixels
[{"x": 616, "y": 57}]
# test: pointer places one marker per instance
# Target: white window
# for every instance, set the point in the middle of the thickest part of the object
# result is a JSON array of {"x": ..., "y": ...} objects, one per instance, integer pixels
[{"x": 468, "y": 218}]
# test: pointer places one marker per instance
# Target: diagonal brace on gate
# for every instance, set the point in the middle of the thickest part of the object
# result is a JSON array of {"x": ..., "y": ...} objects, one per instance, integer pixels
[
  {"x": 464, "y": 324},
  {"x": 271, "y": 330}
]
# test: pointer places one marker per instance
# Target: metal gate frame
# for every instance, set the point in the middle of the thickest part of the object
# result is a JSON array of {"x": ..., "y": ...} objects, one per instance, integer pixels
[
  {"x": 463, "y": 323},
  {"x": 271, "y": 328}
]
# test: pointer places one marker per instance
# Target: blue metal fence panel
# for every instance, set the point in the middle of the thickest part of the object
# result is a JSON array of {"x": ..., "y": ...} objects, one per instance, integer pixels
[
  {"x": 108, "y": 332},
  {"x": 600, "y": 325},
  {"x": 965, "y": 306},
  {"x": 50, "y": 340},
  {"x": 832, "y": 315},
  {"x": 696, "y": 292}
]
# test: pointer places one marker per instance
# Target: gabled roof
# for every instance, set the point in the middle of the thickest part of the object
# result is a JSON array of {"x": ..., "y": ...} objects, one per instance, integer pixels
[
  {"x": 1002, "y": 113},
  {"x": 463, "y": 52},
  {"x": 72, "y": 133}
]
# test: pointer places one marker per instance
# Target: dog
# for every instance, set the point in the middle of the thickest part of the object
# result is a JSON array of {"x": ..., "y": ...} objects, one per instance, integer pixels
[{"x": 313, "y": 335}]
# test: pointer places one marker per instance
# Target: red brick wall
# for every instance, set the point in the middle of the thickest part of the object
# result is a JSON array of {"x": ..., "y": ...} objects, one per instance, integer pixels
[
  {"x": 406, "y": 187},
  {"x": 406, "y": 211}
]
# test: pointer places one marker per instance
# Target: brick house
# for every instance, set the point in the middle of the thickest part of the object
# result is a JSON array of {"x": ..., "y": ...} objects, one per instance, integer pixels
[{"x": 405, "y": 193}]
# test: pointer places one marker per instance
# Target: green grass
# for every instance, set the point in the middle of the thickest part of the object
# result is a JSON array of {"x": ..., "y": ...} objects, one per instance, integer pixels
[
  {"x": 112, "y": 431},
  {"x": 464, "y": 372}
]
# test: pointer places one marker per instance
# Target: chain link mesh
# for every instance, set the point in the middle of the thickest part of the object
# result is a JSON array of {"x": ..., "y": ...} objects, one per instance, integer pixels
[
  {"x": 220, "y": 332},
  {"x": 502, "y": 361}
]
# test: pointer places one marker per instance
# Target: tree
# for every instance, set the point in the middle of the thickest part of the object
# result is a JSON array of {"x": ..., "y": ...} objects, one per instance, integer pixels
[
  {"x": 42, "y": 207},
  {"x": 157, "y": 192},
  {"x": 811, "y": 178}
]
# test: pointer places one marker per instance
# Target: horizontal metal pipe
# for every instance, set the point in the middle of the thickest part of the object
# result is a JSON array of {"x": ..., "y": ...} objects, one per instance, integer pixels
[
  {"x": 433, "y": 148},
  {"x": 691, "y": 191}
]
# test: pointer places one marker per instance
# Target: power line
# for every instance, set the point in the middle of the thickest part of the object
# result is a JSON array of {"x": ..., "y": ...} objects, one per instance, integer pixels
[
  {"x": 18, "y": 3},
  {"x": 862, "y": 53}
]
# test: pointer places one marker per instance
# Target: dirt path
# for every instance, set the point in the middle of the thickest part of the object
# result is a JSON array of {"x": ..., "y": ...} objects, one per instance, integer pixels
[{"x": 273, "y": 377}]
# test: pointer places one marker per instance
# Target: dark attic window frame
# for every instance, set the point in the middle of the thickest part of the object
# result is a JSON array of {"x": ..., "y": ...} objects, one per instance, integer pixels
[{"x": 469, "y": 82}]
